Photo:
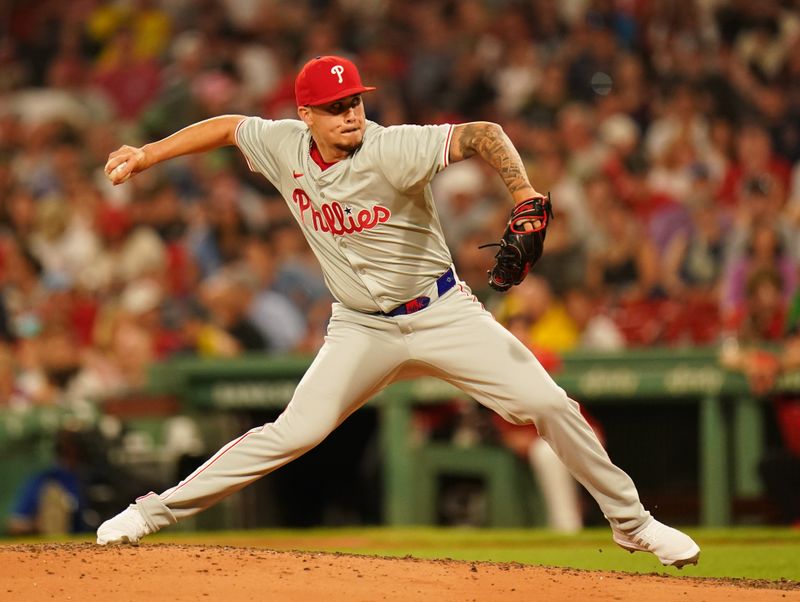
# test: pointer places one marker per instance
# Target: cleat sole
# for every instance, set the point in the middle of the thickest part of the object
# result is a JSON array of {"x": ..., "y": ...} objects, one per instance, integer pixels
[{"x": 679, "y": 564}]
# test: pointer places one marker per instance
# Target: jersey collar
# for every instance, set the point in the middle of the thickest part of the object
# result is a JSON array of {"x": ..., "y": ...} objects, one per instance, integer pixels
[{"x": 316, "y": 157}]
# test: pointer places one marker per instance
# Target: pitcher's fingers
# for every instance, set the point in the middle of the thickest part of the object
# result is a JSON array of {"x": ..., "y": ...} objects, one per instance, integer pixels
[
  {"x": 113, "y": 162},
  {"x": 531, "y": 225},
  {"x": 120, "y": 173}
]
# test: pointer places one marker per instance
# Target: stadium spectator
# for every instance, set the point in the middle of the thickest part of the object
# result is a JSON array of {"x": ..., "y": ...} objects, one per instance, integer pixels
[
  {"x": 227, "y": 296},
  {"x": 129, "y": 81},
  {"x": 53, "y": 501},
  {"x": 755, "y": 160},
  {"x": 763, "y": 343},
  {"x": 623, "y": 265},
  {"x": 279, "y": 321},
  {"x": 764, "y": 252}
]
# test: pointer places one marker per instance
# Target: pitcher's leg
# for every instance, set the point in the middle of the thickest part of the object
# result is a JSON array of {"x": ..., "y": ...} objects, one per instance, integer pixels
[
  {"x": 460, "y": 339},
  {"x": 486, "y": 361},
  {"x": 352, "y": 365}
]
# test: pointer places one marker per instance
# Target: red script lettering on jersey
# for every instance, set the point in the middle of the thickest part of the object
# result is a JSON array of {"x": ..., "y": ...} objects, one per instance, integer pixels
[{"x": 333, "y": 218}]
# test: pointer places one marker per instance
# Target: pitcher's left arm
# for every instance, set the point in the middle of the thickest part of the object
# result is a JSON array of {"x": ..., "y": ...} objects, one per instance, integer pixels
[{"x": 489, "y": 142}]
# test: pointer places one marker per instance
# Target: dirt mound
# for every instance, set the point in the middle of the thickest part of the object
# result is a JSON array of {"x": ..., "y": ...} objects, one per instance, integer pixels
[{"x": 155, "y": 572}]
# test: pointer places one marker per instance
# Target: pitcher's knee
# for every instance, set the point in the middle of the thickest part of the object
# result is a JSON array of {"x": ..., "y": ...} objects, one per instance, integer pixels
[
  {"x": 299, "y": 439},
  {"x": 551, "y": 403}
]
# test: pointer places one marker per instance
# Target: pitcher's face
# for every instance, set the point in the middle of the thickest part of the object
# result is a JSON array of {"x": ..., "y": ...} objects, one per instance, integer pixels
[{"x": 339, "y": 124}]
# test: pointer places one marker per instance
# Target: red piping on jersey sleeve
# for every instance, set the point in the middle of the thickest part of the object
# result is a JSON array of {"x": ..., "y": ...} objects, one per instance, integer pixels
[
  {"x": 446, "y": 161},
  {"x": 236, "y": 140}
]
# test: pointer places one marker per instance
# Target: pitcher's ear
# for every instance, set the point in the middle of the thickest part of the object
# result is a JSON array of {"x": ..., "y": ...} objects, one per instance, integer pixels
[{"x": 305, "y": 114}]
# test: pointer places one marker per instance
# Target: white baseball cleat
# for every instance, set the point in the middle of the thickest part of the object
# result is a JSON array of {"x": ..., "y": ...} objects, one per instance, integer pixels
[
  {"x": 669, "y": 545},
  {"x": 126, "y": 527}
]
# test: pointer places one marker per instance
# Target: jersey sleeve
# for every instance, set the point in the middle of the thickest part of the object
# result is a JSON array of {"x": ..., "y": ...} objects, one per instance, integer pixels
[
  {"x": 260, "y": 141},
  {"x": 410, "y": 155}
]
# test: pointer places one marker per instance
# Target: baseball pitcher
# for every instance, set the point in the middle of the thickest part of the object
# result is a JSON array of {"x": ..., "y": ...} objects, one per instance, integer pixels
[{"x": 361, "y": 195}]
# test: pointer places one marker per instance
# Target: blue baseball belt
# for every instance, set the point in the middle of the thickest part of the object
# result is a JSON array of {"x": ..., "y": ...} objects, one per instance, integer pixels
[{"x": 443, "y": 284}]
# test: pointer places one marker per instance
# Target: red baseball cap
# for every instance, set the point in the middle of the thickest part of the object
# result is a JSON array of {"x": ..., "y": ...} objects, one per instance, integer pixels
[{"x": 325, "y": 79}]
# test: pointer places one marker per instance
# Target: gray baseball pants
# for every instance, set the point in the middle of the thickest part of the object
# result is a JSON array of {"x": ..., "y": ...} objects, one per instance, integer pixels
[{"x": 455, "y": 339}]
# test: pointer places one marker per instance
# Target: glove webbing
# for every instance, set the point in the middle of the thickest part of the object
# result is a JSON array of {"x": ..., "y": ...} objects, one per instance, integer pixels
[{"x": 509, "y": 268}]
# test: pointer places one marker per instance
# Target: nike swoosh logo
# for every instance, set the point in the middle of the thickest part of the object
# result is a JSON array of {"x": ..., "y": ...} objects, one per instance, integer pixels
[{"x": 296, "y": 175}]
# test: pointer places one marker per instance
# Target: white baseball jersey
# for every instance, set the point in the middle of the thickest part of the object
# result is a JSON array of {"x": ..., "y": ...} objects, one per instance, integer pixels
[{"x": 370, "y": 219}]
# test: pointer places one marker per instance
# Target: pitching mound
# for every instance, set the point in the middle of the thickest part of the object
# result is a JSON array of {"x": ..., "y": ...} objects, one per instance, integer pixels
[{"x": 186, "y": 572}]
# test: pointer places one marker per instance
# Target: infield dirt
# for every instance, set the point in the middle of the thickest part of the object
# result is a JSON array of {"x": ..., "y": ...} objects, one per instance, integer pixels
[{"x": 154, "y": 572}]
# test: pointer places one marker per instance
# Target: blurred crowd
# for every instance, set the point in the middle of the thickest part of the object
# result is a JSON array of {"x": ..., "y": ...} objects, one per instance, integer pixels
[{"x": 667, "y": 131}]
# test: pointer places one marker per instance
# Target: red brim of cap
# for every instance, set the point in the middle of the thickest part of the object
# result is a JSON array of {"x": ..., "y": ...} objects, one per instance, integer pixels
[{"x": 339, "y": 94}]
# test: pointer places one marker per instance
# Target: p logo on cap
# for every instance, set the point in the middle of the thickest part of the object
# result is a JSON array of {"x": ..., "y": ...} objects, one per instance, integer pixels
[{"x": 327, "y": 78}]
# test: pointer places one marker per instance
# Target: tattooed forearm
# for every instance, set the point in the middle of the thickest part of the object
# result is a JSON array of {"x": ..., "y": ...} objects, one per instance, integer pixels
[{"x": 489, "y": 141}]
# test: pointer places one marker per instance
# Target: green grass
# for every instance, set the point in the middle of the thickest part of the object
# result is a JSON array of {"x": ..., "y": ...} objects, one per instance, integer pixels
[{"x": 752, "y": 553}]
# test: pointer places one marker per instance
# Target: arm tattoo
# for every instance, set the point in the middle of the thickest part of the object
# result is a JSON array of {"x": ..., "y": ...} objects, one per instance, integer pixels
[{"x": 490, "y": 142}]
